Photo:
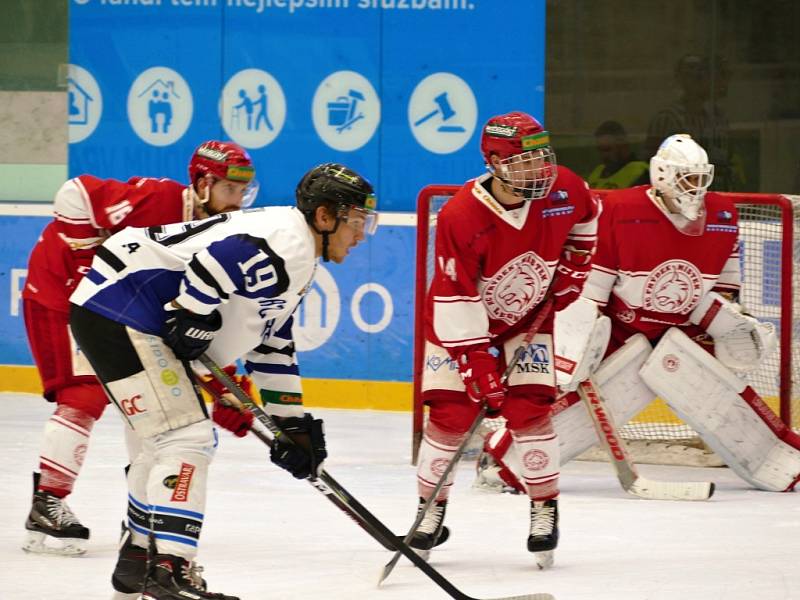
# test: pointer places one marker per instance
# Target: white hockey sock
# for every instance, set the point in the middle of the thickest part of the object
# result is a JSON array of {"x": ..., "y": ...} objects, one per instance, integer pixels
[
  {"x": 141, "y": 456},
  {"x": 537, "y": 447},
  {"x": 435, "y": 453},
  {"x": 66, "y": 438},
  {"x": 176, "y": 487}
]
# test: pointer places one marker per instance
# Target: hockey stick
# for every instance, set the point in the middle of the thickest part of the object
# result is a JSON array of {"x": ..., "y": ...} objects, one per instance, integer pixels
[
  {"x": 629, "y": 478},
  {"x": 337, "y": 494},
  {"x": 268, "y": 442},
  {"x": 531, "y": 333}
]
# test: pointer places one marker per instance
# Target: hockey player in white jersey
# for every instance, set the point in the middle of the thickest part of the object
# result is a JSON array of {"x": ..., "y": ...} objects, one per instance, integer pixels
[{"x": 157, "y": 298}]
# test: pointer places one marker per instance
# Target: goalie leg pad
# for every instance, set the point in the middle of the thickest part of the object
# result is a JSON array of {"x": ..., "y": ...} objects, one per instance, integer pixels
[
  {"x": 625, "y": 394},
  {"x": 728, "y": 415}
]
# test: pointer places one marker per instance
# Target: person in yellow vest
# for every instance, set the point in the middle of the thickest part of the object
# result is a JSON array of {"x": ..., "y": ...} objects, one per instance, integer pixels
[{"x": 619, "y": 167}]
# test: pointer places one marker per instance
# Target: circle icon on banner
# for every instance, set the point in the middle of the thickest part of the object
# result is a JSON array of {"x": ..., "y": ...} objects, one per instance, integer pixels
[
  {"x": 160, "y": 106},
  {"x": 346, "y": 110},
  {"x": 252, "y": 108},
  {"x": 84, "y": 103},
  {"x": 318, "y": 315},
  {"x": 442, "y": 113}
]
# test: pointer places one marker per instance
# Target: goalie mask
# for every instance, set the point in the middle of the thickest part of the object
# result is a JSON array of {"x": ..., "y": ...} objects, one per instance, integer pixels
[
  {"x": 348, "y": 195},
  {"x": 681, "y": 174},
  {"x": 224, "y": 160},
  {"x": 517, "y": 151}
]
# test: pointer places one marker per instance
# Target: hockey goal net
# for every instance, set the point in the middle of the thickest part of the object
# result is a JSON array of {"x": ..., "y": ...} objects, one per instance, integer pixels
[{"x": 770, "y": 263}]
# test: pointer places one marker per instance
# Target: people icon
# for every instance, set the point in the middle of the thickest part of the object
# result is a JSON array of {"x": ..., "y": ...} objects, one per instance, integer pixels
[{"x": 159, "y": 104}]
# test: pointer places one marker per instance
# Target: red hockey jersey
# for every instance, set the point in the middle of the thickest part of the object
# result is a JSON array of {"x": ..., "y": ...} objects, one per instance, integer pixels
[
  {"x": 649, "y": 275},
  {"x": 495, "y": 266},
  {"x": 88, "y": 210}
]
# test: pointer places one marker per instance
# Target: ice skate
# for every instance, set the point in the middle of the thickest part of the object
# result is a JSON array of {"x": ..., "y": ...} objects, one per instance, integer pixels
[
  {"x": 543, "y": 537},
  {"x": 128, "y": 577},
  {"x": 431, "y": 531},
  {"x": 52, "y": 527},
  {"x": 175, "y": 578}
]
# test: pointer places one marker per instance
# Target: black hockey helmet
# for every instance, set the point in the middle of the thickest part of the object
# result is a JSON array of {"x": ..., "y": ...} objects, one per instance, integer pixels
[{"x": 341, "y": 189}]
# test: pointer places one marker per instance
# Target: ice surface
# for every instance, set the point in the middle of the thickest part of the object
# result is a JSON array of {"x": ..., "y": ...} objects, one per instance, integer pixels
[{"x": 268, "y": 536}]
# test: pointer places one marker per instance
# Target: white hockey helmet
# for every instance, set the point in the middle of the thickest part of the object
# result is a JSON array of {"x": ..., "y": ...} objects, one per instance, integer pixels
[{"x": 681, "y": 174}]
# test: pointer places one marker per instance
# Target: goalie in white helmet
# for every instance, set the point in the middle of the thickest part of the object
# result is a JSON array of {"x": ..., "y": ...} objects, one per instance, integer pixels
[{"x": 665, "y": 274}]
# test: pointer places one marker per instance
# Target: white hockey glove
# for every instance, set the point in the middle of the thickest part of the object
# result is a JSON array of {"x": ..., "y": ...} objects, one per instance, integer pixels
[
  {"x": 581, "y": 337},
  {"x": 741, "y": 342}
]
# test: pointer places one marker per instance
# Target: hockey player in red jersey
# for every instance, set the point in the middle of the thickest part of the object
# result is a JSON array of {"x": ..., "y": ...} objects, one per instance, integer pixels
[
  {"x": 505, "y": 242},
  {"x": 665, "y": 273},
  {"x": 88, "y": 210}
]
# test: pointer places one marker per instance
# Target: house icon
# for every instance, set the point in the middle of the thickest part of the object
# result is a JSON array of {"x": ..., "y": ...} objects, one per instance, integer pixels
[{"x": 78, "y": 103}]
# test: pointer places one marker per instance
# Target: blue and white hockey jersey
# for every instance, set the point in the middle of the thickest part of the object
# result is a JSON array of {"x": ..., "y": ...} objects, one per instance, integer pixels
[{"x": 254, "y": 266}]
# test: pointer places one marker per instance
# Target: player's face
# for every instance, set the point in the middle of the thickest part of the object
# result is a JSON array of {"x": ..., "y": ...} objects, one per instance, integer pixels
[
  {"x": 351, "y": 231},
  {"x": 225, "y": 196}
]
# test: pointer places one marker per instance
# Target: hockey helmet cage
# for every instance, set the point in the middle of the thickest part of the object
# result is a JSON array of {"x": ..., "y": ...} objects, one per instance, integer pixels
[
  {"x": 527, "y": 163},
  {"x": 680, "y": 171}
]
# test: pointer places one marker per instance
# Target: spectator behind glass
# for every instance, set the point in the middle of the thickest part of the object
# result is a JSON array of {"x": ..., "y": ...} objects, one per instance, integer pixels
[
  {"x": 697, "y": 112},
  {"x": 618, "y": 167}
]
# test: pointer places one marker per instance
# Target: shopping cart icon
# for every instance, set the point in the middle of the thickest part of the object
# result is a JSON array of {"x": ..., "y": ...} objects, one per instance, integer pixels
[{"x": 342, "y": 111}]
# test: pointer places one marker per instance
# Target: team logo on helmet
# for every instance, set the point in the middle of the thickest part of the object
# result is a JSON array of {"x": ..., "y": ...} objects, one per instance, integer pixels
[
  {"x": 674, "y": 286},
  {"x": 516, "y": 287},
  {"x": 503, "y": 131}
]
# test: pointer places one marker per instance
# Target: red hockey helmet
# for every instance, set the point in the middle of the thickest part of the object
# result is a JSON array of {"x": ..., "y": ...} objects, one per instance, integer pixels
[
  {"x": 527, "y": 163},
  {"x": 224, "y": 160}
]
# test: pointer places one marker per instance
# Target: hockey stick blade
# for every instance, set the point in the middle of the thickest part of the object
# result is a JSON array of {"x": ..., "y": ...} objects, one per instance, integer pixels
[
  {"x": 671, "y": 490},
  {"x": 332, "y": 490},
  {"x": 629, "y": 478},
  {"x": 526, "y": 340}
]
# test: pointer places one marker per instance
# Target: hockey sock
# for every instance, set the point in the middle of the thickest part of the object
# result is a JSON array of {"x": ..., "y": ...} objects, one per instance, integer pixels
[
  {"x": 537, "y": 446},
  {"x": 66, "y": 437},
  {"x": 436, "y": 452},
  {"x": 176, "y": 487}
]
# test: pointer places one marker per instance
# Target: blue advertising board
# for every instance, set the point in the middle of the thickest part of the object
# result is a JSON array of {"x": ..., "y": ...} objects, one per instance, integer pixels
[{"x": 396, "y": 89}]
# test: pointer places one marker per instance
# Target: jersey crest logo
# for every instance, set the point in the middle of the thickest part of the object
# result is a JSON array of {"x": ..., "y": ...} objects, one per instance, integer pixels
[
  {"x": 516, "y": 288},
  {"x": 673, "y": 286}
]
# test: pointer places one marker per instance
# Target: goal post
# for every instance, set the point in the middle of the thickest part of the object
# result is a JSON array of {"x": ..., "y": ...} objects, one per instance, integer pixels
[{"x": 769, "y": 227}]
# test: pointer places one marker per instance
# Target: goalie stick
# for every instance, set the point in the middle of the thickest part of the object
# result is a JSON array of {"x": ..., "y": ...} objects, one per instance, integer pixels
[
  {"x": 337, "y": 494},
  {"x": 629, "y": 478},
  {"x": 531, "y": 333}
]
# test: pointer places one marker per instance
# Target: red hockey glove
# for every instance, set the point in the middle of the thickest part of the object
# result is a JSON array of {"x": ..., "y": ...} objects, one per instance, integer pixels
[
  {"x": 237, "y": 421},
  {"x": 478, "y": 369}
]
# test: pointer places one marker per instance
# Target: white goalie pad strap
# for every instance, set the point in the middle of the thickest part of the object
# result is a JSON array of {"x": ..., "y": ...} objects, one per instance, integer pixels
[
  {"x": 439, "y": 371},
  {"x": 728, "y": 415},
  {"x": 580, "y": 338},
  {"x": 535, "y": 366}
]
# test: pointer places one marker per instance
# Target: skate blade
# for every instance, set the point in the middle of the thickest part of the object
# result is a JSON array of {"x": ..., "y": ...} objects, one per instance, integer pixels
[
  {"x": 41, "y": 543},
  {"x": 544, "y": 560},
  {"x": 423, "y": 554}
]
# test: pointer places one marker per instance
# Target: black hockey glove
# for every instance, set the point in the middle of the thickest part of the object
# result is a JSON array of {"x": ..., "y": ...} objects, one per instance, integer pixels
[
  {"x": 189, "y": 334},
  {"x": 304, "y": 457}
]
